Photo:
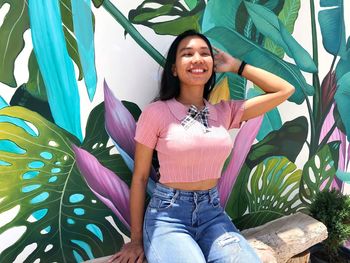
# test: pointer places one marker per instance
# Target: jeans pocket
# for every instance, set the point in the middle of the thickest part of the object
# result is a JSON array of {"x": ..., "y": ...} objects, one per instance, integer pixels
[{"x": 160, "y": 203}]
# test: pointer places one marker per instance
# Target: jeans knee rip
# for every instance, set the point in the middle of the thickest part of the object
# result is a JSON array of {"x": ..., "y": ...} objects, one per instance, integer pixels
[{"x": 228, "y": 239}]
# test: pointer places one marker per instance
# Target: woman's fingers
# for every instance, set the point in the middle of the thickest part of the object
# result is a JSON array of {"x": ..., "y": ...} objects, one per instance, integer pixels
[
  {"x": 216, "y": 49},
  {"x": 114, "y": 257},
  {"x": 140, "y": 259}
]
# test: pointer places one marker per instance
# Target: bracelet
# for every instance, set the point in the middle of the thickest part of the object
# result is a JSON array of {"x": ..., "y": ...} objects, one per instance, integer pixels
[{"x": 241, "y": 68}]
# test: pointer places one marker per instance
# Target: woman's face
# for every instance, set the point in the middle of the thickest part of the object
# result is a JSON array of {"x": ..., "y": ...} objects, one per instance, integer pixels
[{"x": 194, "y": 63}]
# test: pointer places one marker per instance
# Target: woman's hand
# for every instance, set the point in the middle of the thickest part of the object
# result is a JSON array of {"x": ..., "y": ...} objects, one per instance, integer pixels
[
  {"x": 130, "y": 253},
  {"x": 224, "y": 62}
]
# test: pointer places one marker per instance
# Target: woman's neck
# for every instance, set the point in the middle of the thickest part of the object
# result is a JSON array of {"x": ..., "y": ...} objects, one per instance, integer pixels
[{"x": 191, "y": 97}]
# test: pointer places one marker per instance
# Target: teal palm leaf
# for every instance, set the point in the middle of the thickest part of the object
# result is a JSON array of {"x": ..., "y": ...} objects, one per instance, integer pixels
[
  {"x": 287, "y": 16},
  {"x": 332, "y": 26},
  {"x": 269, "y": 25},
  {"x": 241, "y": 47}
]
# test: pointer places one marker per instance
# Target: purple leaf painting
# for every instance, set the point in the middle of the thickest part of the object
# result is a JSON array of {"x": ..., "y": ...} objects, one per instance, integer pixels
[
  {"x": 241, "y": 147},
  {"x": 337, "y": 135},
  {"x": 107, "y": 186},
  {"x": 121, "y": 127},
  {"x": 120, "y": 124},
  {"x": 328, "y": 86}
]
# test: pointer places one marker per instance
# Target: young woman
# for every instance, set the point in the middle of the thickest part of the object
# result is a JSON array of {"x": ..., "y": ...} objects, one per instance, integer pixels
[{"x": 184, "y": 221}]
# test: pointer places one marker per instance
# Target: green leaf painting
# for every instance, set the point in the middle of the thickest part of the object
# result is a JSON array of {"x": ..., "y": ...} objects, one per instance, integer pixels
[
  {"x": 59, "y": 212},
  {"x": 277, "y": 143},
  {"x": 288, "y": 17},
  {"x": 247, "y": 50},
  {"x": 97, "y": 3},
  {"x": 244, "y": 23},
  {"x": 51, "y": 204},
  {"x": 332, "y": 26},
  {"x": 15, "y": 23},
  {"x": 319, "y": 171},
  {"x": 342, "y": 97},
  {"x": 177, "y": 16},
  {"x": 272, "y": 119},
  {"x": 292, "y": 133},
  {"x": 96, "y": 142},
  {"x": 269, "y": 25},
  {"x": 270, "y": 192},
  {"x": 35, "y": 83}
]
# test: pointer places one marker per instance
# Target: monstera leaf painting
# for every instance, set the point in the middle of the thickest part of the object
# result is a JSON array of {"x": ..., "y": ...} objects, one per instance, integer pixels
[
  {"x": 319, "y": 171},
  {"x": 168, "y": 17},
  {"x": 55, "y": 215},
  {"x": 277, "y": 143},
  {"x": 270, "y": 192}
]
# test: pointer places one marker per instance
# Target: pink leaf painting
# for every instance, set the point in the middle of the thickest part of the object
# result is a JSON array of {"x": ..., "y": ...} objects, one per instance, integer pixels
[
  {"x": 107, "y": 186},
  {"x": 241, "y": 147}
]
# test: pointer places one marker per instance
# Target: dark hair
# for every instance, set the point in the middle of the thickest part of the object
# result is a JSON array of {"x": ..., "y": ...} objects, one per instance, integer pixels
[{"x": 170, "y": 85}]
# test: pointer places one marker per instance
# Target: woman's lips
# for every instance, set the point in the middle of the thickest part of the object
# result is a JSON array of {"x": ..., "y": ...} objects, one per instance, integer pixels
[{"x": 197, "y": 70}]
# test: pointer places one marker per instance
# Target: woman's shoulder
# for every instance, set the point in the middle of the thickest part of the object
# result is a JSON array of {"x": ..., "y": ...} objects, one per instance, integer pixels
[
  {"x": 154, "y": 107},
  {"x": 159, "y": 104}
]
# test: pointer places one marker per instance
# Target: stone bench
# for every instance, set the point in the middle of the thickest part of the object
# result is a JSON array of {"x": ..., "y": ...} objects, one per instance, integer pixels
[{"x": 285, "y": 239}]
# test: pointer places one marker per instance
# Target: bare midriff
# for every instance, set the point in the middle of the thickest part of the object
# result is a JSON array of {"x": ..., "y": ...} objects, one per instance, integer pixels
[{"x": 194, "y": 186}]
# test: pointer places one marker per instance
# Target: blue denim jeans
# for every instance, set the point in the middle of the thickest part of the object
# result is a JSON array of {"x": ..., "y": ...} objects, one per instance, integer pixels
[{"x": 191, "y": 227}]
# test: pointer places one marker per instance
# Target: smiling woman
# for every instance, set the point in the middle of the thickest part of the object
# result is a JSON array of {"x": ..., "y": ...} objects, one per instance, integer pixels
[{"x": 184, "y": 221}]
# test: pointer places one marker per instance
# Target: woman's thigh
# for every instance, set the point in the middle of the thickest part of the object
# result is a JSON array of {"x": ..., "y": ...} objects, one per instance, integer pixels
[
  {"x": 170, "y": 243},
  {"x": 221, "y": 242}
]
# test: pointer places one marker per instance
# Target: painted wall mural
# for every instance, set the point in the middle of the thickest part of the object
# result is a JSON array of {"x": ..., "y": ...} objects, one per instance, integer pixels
[{"x": 64, "y": 194}]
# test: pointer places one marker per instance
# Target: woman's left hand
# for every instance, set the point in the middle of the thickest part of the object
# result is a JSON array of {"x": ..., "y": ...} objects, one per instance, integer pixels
[{"x": 224, "y": 62}]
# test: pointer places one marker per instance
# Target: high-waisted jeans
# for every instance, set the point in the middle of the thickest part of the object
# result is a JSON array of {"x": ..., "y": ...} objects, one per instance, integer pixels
[{"x": 191, "y": 227}]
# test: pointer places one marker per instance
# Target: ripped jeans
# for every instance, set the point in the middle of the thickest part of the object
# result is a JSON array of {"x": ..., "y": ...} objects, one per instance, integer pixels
[{"x": 191, "y": 227}]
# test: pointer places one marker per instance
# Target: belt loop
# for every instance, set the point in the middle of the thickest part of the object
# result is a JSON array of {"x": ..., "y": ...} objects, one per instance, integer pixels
[
  {"x": 175, "y": 196},
  {"x": 211, "y": 195}
]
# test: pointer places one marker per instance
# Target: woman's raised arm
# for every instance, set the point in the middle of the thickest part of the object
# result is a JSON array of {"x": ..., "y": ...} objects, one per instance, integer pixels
[{"x": 277, "y": 89}]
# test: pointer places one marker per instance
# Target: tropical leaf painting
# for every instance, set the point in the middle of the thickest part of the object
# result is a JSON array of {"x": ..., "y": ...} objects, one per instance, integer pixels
[
  {"x": 270, "y": 191},
  {"x": 178, "y": 17},
  {"x": 12, "y": 29},
  {"x": 53, "y": 206},
  {"x": 66, "y": 169}
]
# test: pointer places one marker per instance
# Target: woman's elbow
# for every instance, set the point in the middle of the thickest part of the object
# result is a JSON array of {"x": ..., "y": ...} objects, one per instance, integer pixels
[{"x": 288, "y": 90}]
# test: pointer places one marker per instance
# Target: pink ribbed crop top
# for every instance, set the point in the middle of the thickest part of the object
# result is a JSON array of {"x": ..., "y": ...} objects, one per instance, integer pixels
[{"x": 188, "y": 155}]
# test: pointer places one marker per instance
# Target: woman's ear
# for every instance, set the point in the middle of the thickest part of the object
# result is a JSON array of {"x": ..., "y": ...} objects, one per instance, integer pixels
[{"x": 173, "y": 69}]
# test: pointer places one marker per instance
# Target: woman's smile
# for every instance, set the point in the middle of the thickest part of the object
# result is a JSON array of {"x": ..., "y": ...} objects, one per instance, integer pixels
[{"x": 194, "y": 62}]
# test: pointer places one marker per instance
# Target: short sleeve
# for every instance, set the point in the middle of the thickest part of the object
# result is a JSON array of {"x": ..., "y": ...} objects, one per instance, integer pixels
[
  {"x": 232, "y": 112},
  {"x": 237, "y": 110},
  {"x": 147, "y": 127}
]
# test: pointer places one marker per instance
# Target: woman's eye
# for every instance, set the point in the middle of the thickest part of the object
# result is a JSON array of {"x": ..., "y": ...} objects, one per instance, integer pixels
[
  {"x": 187, "y": 54},
  {"x": 206, "y": 54}
]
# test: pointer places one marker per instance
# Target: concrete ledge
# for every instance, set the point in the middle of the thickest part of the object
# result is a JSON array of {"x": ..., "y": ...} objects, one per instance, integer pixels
[{"x": 281, "y": 239}]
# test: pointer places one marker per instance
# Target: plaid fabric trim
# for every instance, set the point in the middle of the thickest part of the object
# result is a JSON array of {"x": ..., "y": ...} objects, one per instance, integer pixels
[{"x": 194, "y": 114}]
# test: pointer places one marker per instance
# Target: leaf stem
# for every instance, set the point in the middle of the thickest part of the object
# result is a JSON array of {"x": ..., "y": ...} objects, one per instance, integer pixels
[
  {"x": 328, "y": 135},
  {"x": 315, "y": 114},
  {"x": 130, "y": 29}
]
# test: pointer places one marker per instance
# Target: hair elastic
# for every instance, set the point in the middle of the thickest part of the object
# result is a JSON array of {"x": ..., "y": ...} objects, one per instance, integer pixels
[{"x": 241, "y": 68}]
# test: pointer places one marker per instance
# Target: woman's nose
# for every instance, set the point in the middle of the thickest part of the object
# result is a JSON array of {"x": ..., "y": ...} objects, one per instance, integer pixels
[{"x": 197, "y": 58}]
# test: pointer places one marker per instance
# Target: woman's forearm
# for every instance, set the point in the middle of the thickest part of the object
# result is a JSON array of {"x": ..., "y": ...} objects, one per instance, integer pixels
[
  {"x": 267, "y": 81},
  {"x": 277, "y": 91},
  {"x": 137, "y": 201}
]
